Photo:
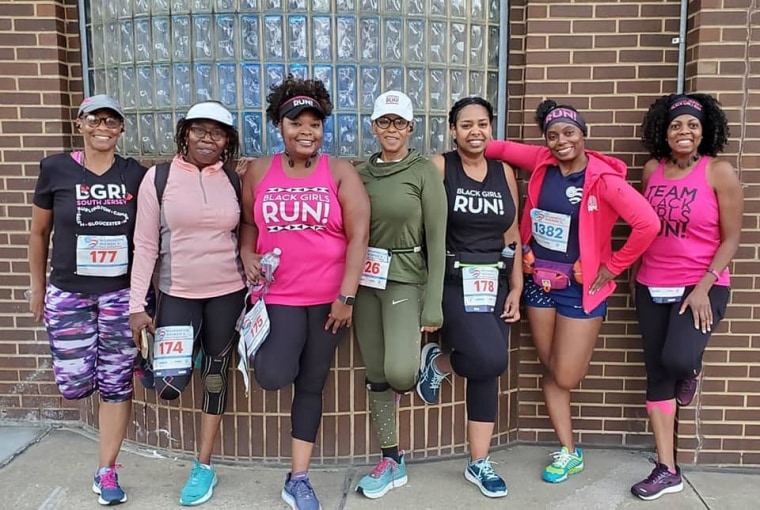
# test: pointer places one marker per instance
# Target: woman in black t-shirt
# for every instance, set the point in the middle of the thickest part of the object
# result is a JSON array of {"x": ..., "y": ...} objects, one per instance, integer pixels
[
  {"x": 86, "y": 199},
  {"x": 481, "y": 293}
]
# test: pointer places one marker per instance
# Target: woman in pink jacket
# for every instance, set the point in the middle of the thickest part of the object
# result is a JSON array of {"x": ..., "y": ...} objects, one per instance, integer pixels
[{"x": 575, "y": 197}]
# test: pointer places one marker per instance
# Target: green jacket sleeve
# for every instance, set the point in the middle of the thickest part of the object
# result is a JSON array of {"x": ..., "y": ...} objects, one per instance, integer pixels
[{"x": 434, "y": 212}]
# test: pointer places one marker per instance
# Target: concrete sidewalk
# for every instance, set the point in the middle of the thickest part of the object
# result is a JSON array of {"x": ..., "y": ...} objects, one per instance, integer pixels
[{"x": 51, "y": 469}]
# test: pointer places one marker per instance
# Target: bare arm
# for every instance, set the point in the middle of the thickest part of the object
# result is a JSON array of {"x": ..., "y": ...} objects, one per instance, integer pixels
[
  {"x": 512, "y": 235},
  {"x": 728, "y": 189},
  {"x": 354, "y": 204},
  {"x": 39, "y": 241},
  {"x": 649, "y": 168},
  {"x": 439, "y": 163},
  {"x": 512, "y": 240},
  {"x": 249, "y": 233}
]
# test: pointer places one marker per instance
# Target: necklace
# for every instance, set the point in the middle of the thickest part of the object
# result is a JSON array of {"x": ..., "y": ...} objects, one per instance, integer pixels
[
  {"x": 84, "y": 161},
  {"x": 292, "y": 163},
  {"x": 683, "y": 166}
]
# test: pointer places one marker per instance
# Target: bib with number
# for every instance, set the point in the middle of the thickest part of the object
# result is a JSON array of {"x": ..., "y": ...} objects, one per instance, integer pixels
[
  {"x": 102, "y": 255},
  {"x": 480, "y": 285},
  {"x": 254, "y": 329},
  {"x": 550, "y": 230},
  {"x": 665, "y": 295},
  {"x": 173, "y": 351},
  {"x": 376, "y": 267}
]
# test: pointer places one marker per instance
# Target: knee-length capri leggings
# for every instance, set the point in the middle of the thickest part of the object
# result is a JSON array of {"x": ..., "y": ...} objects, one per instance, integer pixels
[
  {"x": 479, "y": 344},
  {"x": 213, "y": 321},
  {"x": 91, "y": 343},
  {"x": 299, "y": 351},
  {"x": 673, "y": 347}
]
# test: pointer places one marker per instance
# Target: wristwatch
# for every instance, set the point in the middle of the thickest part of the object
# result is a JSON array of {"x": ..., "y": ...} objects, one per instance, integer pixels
[{"x": 346, "y": 300}]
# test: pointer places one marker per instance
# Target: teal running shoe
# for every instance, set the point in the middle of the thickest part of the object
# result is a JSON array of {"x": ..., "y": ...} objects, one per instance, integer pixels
[
  {"x": 481, "y": 473},
  {"x": 564, "y": 464},
  {"x": 386, "y": 476},
  {"x": 200, "y": 486}
]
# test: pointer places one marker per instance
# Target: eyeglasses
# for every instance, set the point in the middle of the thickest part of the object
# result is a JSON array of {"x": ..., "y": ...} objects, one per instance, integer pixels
[
  {"x": 398, "y": 123},
  {"x": 94, "y": 121},
  {"x": 216, "y": 134}
]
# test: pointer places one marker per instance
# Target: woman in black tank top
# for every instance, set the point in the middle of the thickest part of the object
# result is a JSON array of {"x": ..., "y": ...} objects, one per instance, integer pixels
[{"x": 481, "y": 295}]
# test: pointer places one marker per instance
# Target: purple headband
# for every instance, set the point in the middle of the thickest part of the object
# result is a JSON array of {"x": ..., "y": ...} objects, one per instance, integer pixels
[
  {"x": 561, "y": 114},
  {"x": 684, "y": 105}
]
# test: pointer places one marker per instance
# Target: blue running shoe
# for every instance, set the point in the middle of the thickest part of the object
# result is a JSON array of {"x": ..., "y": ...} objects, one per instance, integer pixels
[
  {"x": 564, "y": 464},
  {"x": 429, "y": 385},
  {"x": 200, "y": 486},
  {"x": 106, "y": 485},
  {"x": 481, "y": 473},
  {"x": 299, "y": 494},
  {"x": 386, "y": 476}
]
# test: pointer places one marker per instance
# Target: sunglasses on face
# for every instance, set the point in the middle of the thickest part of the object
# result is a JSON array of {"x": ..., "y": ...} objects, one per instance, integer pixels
[
  {"x": 398, "y": 123},
  {"x": 216, "y": 134},
  {"x": 94, "y": 121}
]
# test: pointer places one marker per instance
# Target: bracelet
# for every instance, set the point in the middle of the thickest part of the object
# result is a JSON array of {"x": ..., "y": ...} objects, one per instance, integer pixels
[{"x": 714, "y": 273}]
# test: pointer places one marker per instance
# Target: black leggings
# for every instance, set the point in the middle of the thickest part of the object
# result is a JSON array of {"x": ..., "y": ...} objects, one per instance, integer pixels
[
  {"x": 299, "y": 351},
  {"x": 673, "y": 348},
  {"x": 479, "y": 344},
  {"x": 213, "y": 321}
]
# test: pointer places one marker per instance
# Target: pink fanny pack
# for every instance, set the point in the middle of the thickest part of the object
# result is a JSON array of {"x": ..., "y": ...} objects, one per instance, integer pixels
[{"x": 552, "y": 275}]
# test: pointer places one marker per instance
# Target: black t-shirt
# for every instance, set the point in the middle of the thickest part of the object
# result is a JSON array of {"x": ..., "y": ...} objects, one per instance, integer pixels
[{"x": 85, "y": 206}]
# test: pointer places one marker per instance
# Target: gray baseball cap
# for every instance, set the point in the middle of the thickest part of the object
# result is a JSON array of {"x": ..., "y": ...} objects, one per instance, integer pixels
[{"x": 100, "y": 102}]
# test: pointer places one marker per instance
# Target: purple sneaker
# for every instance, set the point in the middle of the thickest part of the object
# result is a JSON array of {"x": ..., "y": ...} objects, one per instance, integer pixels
[
  {"x": 660, "y": 481},
  {"x": 685, "y": 390}
]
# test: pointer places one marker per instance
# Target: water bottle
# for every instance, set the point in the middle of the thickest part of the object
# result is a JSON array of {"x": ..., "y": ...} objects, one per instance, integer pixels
[{"x": 269, "y": 263}]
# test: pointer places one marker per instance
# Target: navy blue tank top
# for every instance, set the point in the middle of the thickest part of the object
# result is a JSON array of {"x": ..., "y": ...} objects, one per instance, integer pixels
[
  {"x": 479, "y": 212},
  {"x": 561, "y": 195}
]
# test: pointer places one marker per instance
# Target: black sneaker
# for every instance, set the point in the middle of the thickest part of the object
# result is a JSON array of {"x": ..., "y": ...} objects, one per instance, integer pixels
[{"x": 660, "y": 481}]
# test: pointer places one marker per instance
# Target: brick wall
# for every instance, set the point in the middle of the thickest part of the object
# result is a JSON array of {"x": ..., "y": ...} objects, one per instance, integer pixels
[
  {"x": 38, "y": 42},
  {"x": 724, "y": 57},
  {"x": 618, "y": 60},
  {"x": 610, "y": 59}
]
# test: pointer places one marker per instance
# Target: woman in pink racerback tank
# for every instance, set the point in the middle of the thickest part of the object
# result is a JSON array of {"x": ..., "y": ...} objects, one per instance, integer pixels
[
  {"x": 314, "y": 209},
  {"x": 681, "y": 287}
]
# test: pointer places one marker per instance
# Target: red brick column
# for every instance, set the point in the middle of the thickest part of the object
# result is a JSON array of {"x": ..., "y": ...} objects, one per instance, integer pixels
[
  {"x": 35, "y": 94},
  {"x": 723, "y": 59}
]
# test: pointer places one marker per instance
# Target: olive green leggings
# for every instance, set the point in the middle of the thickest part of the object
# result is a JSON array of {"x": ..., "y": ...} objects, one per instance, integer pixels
[{"x": 387, "y": 328}]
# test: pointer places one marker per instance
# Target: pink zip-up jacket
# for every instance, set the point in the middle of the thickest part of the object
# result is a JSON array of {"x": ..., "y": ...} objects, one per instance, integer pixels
[
  {"x": 606, "y": 197},
  {"x": 193, "y": 236}
]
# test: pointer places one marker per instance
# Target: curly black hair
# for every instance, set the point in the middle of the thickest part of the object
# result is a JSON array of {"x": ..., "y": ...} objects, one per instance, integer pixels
[
  {"x": 231, "y": 150},
  {"x": 654, "y": 127},
  {"x": 467, "y": 101},
  {"x": 292, "y": 87},
  {"x": 546, "y": 106}
]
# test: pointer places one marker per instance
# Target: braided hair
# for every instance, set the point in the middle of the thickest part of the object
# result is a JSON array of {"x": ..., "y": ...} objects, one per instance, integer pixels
[{"x": 231, "y": 150}]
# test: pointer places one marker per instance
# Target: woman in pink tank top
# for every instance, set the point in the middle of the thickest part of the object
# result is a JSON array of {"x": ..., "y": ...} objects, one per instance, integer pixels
[
  {"x": 314, "y": 210},
  {"x": 681, "y": 285}
]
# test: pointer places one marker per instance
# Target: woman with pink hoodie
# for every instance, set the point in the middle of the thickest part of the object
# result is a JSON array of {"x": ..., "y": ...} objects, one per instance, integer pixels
[{"x": 575, "y": 197}]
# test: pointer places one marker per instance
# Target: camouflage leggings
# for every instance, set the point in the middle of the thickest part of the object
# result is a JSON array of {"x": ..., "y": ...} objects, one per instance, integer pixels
[{"x": 91, "y": 343}]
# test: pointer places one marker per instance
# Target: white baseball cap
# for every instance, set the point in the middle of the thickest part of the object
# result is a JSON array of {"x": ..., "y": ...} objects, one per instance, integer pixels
[
  {"x": 210, "y": 110},
  {"x": 393, "y": 102}
]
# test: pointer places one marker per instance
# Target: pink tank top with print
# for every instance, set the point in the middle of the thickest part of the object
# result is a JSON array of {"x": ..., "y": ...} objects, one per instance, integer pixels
[
  {"x": 303, "y": 218},
  {"x": 689, "y": 230}
]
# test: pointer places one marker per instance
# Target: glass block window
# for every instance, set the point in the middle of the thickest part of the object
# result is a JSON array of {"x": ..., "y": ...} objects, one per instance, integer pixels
[{"x": 160, "y": 56}]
